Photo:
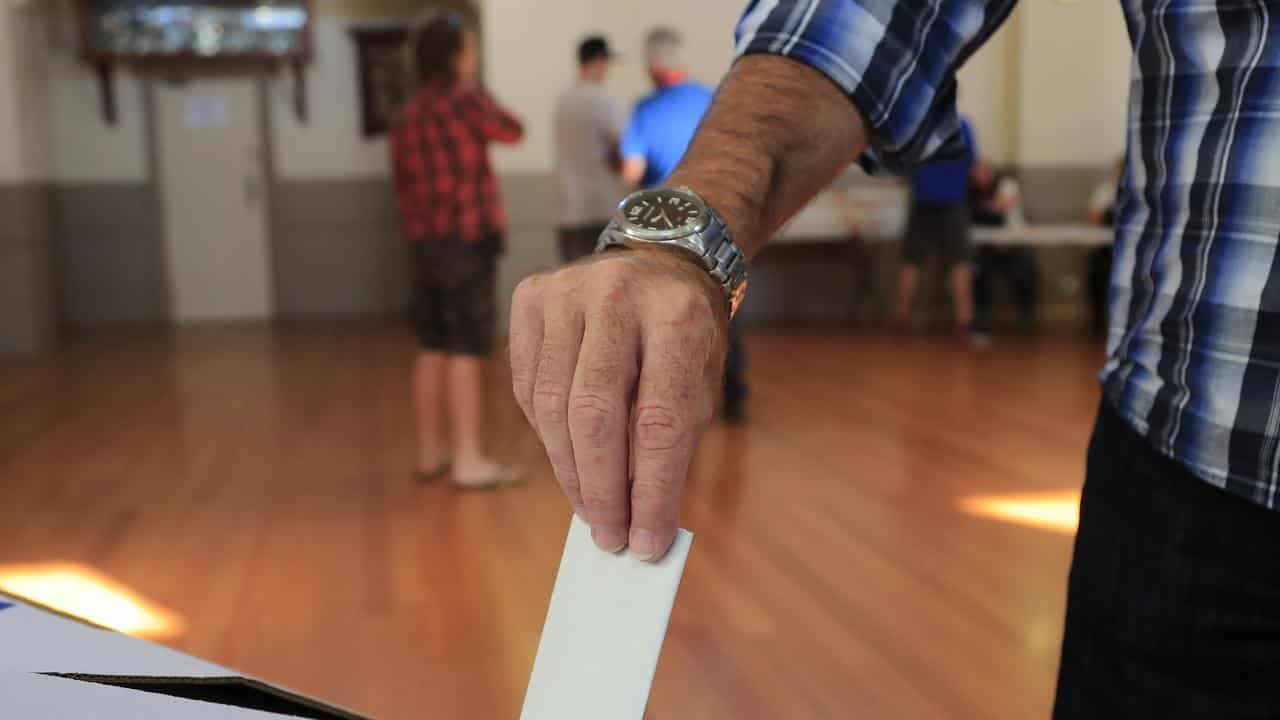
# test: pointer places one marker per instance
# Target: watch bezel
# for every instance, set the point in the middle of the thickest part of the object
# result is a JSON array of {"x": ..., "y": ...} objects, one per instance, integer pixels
[{"x": 625, "y": 224}]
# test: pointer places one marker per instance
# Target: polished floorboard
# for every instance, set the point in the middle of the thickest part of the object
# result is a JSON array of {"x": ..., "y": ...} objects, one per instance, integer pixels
[{"x": 254, "y": 483}]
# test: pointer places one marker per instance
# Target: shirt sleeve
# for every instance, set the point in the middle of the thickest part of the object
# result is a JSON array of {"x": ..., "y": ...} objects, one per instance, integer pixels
[
  {"x": 493, "y": 121},
  {"x": 634, "y": 143},
  {"x": 970, "y": 140},
  {"x": 896, "y": 60}
]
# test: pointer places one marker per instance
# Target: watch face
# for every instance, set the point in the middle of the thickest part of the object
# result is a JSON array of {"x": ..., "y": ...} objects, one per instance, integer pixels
[{"x": 667, "y": 213}]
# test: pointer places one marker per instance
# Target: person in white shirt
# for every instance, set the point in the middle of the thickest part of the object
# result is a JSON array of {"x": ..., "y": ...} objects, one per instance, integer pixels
[{"x": 588, "y": 126}]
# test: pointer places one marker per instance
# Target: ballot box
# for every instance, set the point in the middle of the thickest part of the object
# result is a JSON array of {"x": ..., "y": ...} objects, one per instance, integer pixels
[{"x": 54, "y": 666}]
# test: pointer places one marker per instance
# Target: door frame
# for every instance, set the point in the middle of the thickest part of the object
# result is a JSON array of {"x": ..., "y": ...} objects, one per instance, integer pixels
[{"x": 260, "y": 76}]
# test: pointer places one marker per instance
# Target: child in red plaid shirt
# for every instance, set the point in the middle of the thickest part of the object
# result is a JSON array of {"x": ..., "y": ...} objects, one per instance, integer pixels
[{"x": 452, "y": 216}]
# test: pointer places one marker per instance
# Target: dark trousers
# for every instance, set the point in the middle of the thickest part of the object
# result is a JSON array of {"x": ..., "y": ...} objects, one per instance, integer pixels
[
  {"x": 1098, "y": 278},
  {"x": 1016, "y": 268},
  {"x": 735, "y": 368},
  {"x": 1173, "y": 606},
  {"x": 579, "y": 241}
]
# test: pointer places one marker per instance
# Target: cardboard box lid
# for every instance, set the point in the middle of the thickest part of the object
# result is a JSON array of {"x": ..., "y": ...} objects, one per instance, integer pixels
[{"x": 59, "y": 666}]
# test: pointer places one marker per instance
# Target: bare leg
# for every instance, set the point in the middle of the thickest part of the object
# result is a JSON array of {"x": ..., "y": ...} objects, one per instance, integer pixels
[
  {"x": 962, "y": 294},
  {"x": 472, "y": 467},
  {"x": 428, "y": 405},
  {"x": 466, "y": 407},
  {"x": 908, "y": 284}
]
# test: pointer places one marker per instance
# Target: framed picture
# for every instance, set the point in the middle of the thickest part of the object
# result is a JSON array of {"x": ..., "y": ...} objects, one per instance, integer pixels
[
  {"x": 383, "y": 77},
  {"x": 195, "y": 29}
]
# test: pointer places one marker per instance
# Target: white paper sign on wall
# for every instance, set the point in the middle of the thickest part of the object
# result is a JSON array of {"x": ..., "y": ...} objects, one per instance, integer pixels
[{"x": 207, "y": 111}]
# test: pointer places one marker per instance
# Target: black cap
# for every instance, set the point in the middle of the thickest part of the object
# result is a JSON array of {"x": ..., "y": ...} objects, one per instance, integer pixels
[{"x": 594, "y": 47}]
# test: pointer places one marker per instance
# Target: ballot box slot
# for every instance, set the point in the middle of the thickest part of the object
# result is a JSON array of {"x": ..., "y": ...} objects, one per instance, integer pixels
[{"x": 227, "y": 691}]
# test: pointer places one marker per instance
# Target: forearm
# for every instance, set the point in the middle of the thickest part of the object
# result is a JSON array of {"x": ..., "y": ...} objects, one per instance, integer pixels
[{"x": 777, "y": 133}]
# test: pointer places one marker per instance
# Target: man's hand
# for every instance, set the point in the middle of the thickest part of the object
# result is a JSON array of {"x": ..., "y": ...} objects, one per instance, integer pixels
[{"x": 616, "y": 362}]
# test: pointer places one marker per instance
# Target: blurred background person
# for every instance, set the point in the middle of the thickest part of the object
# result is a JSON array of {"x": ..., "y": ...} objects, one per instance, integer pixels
[
  {"x": 453, "y": 218},
  {"x": 657, "y": 136},
  {"x": 1102, "y": 211},
  {"x": 588, "y": 128},
  {"x": 995, "y": 200},
  {"x": 938, "y": 223}
]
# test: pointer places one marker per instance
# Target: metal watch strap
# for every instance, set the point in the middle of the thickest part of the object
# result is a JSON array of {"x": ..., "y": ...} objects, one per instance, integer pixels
[{"x": 724, "y": 260}]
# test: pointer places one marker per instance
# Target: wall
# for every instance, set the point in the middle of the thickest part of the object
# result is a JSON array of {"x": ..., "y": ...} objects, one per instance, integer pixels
[
  {"x": 1073, "y": 83},
  {"x": 26, "y": 255},
  {"x": 1032, "y": 95},
  {"x": 24, "y": 119},
  {"x": 988, "y": 83},
  {"x": 105, "y": 223}
]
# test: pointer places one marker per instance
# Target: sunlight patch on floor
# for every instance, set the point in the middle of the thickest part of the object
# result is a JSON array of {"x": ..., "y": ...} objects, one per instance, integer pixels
[
  {"x": 88, "y": 594},
  {"x": 1054, "y": 511}
]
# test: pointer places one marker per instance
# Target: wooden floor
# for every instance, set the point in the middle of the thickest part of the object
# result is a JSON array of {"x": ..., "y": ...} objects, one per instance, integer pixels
[{"x": 256, "y": 484}]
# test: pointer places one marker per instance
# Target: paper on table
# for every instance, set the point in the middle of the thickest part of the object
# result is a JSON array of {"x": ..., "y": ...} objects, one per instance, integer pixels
[{"x": 604, "y": 631}]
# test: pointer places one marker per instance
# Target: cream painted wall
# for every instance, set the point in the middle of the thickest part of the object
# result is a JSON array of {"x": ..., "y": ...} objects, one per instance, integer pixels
[
  {"x": 528, "y": 58},
  {"x": 85, "y": 148},
  {"x": 987, "y": 85},
  {"x": 24, "y": 107},
  {"x": 1073, "y": 83},
  {"x": 1034, "y": 95},
  {"x": 329, "y": 144}
]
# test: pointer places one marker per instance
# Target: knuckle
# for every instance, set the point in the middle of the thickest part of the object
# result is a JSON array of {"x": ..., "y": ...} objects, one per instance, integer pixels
[
  {"x": 603, "y": 371},
  {"x": 592, "y": 415},
  {"x": 655, "y": 493},
  {"x": 549, "y": 404},
  {"x": 660, "y": 429},
  {"x": 603, "y": 500}
]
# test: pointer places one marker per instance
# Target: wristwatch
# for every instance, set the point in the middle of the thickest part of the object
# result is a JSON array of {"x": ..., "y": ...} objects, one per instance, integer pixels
[{"x": 677, "y": 217}]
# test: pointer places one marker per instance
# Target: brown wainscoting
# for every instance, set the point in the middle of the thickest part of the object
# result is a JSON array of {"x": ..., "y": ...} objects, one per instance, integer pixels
[
  {"x": 336, "y": 249},
  {"x": 111, "y": 256},
  {"x": 27, "y": 295}
]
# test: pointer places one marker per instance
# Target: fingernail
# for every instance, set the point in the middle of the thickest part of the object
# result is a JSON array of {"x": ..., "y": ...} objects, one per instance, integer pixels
[
  {"x": 609, "y": 539},
  {"x": 644, "y": 545}
]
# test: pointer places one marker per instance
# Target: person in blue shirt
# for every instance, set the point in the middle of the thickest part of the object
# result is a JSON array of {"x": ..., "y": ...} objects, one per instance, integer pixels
[
  {"x": 657, "y": 135},
  {"x": 938, "y": 223},
  {"x": 663, "y": 122}
]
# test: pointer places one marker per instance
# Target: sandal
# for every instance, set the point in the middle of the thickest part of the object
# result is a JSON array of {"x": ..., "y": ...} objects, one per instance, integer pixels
[
  {"x": 498, "y": 476},
  {"x": 426, "y": 476}
]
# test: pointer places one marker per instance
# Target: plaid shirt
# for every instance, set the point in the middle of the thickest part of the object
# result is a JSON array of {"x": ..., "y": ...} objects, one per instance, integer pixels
[
  {"x": 440, "y": 162},
  {"x": 1194, "y": 347}
]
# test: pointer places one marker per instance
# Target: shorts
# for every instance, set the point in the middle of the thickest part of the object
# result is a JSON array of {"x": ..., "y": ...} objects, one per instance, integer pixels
[
  {"x": 579, "y": 241},
  {"x": 940, "y": 229},
  {"x": 454, "y": 307}
]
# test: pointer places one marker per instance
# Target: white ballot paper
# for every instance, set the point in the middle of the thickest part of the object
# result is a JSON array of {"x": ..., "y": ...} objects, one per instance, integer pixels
[{"x": 604, "y": 630}]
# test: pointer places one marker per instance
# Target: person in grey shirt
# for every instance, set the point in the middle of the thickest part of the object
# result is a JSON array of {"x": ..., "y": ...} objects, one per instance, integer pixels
[{"x": 588, "y": 125}]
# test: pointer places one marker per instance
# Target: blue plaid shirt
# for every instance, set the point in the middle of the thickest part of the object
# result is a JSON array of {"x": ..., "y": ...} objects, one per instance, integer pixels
[{"x": 1194, "y": 347}]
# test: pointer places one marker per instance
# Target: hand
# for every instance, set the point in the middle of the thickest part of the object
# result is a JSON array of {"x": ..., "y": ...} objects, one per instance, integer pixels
[{"x": 616, "y": 362}]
